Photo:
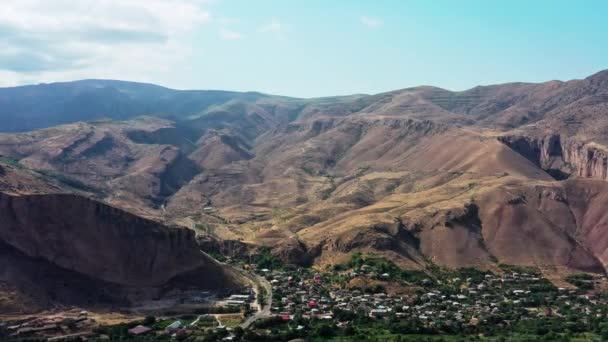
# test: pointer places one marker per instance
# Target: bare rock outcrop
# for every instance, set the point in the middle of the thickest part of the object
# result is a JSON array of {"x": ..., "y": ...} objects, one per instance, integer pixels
[
  {"x": 101, "y": 241},
  {"x": 106, "y": 254},
  {"x": 562, "y": 157}
]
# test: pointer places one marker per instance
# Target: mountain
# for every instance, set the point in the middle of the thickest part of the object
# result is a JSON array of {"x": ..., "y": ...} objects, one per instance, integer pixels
[
  {"x": 512, "y": 173},
  {"x": 44, "y": 105},
  {"x": 60, "y": 247}
]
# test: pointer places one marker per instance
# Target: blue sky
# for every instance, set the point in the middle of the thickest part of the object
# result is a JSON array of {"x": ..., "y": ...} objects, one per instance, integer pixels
[{"x": 302, "y": 48}]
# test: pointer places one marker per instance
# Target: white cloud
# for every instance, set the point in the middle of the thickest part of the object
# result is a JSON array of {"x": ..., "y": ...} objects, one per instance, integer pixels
[
  {"x": 227, "y": 34},
  {"x": 8, "y": 78},
  {"x": 274, "y": 26},
  {"x": 371, "y": 22},
  {"x": 48, "y": 40},
  {"x": 226, "y": 20}
]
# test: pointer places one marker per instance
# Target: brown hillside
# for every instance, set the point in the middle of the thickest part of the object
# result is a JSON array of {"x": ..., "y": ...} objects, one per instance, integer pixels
[
  {"x": 510, "y": 173},
  {"x": 66, "y": 248}
]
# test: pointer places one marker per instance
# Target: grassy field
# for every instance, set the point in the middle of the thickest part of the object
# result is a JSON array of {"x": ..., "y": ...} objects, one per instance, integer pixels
[{"x": 231, "y": 321}]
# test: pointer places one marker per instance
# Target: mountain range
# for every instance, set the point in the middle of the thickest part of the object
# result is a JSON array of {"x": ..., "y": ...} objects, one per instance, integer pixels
[{"x": 512, "y": 173}]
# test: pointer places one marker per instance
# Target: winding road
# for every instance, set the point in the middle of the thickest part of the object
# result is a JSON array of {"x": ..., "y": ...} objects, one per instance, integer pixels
[{"x": 263, "y": 311}]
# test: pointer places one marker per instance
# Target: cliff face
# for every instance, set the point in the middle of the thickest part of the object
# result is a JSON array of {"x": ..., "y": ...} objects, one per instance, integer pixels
[
  {"x": 105, "y": 247},
  {"x": 95, "y": 239},
  {"x": 65, "y": 248},
  {"x": 562, "y": 157}
]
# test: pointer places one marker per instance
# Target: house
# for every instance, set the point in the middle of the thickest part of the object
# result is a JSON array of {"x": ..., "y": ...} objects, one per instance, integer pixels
[
  {"x": 240, "y": 297},
  {"x": 139, "y": 330},
  {"x": 378, "y": 313},
  {"x": 174, "y": 326}
]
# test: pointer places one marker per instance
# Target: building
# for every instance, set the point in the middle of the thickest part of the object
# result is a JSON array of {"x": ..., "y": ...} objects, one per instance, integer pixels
[
  {"x": 139, "y": 330},
  {"x": 174, "y": 326}
]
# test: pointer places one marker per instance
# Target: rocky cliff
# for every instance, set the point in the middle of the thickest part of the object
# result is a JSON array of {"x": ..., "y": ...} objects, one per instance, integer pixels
[
  {"x": 561, "y": 156},
  {"x": 95, "y": 239},
  {"x": 106, "y": 246}
]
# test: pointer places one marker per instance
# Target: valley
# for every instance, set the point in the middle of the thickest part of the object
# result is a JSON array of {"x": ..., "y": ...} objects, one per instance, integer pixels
[
  {"x": 415, "y": 174},
  {"x": 130, "y": 200},
  {"x": 273, "y": 171}
]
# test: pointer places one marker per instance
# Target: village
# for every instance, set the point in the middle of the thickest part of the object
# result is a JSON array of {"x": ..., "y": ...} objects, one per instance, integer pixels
[
  {"x": 441, "y": 303},
  {"x": 364, "y": 293}
]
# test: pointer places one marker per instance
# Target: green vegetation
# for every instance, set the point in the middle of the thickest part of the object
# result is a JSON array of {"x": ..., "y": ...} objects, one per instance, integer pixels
[
  {"x": 10, "y": 161},
  {"x": 217, "y": 256},
  {"x": 262, "y": 296},
  {"x": 582, "y": 280},
  {"x": 207, "y": 321},
  {"x": 119, "y": 332},
  {"x": 358, "y": 261},
  {"x": 391, "y": 330},
  {"x": 519, "y": 269},
  {"x": 439, "y": 304},
  {"x": 263, "y": 258},
  {"x": 219, "y": 310},
  {"x": 411, "y": 330}
]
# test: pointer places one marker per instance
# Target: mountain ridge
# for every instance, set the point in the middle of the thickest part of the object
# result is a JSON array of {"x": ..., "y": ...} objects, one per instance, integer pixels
[
  {"x": 125, "y": 100},
  {"x": 395, "y": 173}
]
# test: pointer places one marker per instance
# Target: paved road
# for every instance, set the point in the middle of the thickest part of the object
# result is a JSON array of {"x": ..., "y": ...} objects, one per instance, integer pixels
[{"x": 263, "y": 311}]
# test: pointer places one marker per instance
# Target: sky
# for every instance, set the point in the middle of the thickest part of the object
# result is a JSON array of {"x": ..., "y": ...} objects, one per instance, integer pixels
[{"x": 302, "y": 48}]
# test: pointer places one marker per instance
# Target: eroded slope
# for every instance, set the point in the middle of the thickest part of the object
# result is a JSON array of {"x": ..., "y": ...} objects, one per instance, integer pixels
[
  {"x": 422, "y": 175},
  {"x": 66, "y": 248}
]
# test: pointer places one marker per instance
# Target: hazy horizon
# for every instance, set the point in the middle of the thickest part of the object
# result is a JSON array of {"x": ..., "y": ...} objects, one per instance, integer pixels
[
  {"x": 302, "y": 97},
  {"x": 301, "y": 50}
]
